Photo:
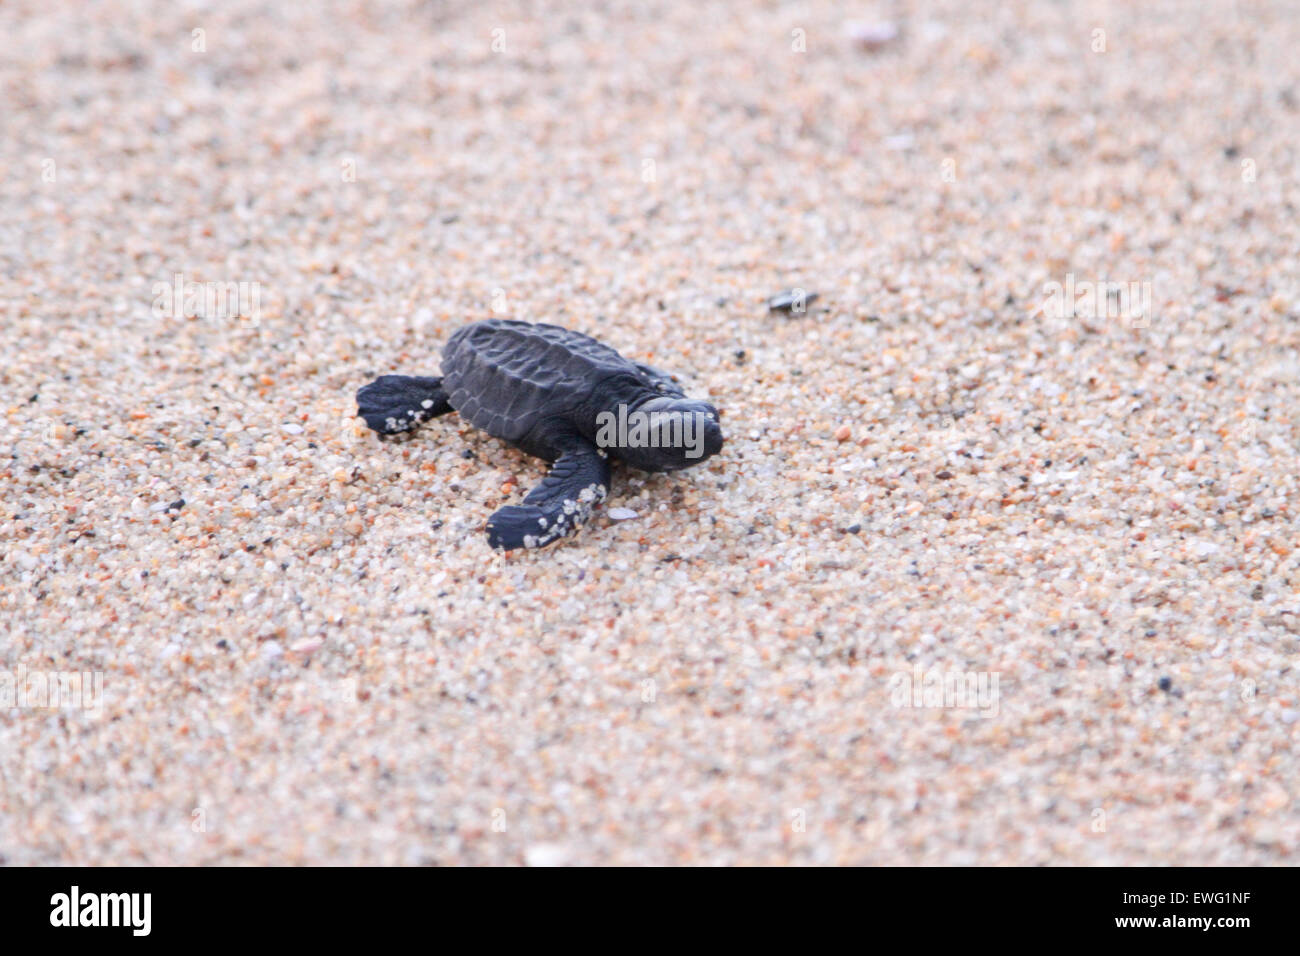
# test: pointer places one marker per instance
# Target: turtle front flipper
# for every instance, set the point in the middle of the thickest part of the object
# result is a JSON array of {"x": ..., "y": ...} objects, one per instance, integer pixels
[
  {"x": 558, "y": 506},
  {"x": 397, "y": 403}
]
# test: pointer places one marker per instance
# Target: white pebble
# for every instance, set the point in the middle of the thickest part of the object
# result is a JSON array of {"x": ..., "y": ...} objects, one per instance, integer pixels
[{"x": 546, "y": 854}]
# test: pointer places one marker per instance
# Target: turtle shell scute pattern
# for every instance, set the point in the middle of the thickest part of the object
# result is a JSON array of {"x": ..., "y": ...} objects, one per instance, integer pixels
[{"x": 504, "y": 376}]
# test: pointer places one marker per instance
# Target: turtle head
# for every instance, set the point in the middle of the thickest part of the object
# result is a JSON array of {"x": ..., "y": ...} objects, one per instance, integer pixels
[{"x": 661, "y": 433}]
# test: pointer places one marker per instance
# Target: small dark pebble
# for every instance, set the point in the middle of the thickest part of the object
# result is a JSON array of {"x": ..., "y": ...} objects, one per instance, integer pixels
[
  {"x": 223, "y": 644},
  {"x": 853, "y": 529},
  {"x": 791, "y": 301},
  {"x": 1165, "y": 684},
  {"x": 740, "y": 355},
  {"x": 176, "y": 505},
  {"x": 944, "y": 475},
  {"x": 467, "y": 453}
]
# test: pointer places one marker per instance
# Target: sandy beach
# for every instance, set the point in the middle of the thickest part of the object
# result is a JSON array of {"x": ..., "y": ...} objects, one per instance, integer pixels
[{"x": 997, "y": 565}]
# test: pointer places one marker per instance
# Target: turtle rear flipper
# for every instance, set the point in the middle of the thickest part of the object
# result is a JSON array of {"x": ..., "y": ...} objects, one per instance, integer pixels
[
  {"x": 558, "y": 506},
  {"x": 397, "y": 403}
]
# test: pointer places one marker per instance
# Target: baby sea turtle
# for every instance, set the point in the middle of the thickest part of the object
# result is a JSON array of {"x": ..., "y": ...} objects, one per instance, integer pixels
[{"x": 559, "y": 395}]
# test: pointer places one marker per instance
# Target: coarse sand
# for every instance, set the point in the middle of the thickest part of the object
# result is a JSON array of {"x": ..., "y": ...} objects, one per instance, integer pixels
[{"x": 997, "y": 565}]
